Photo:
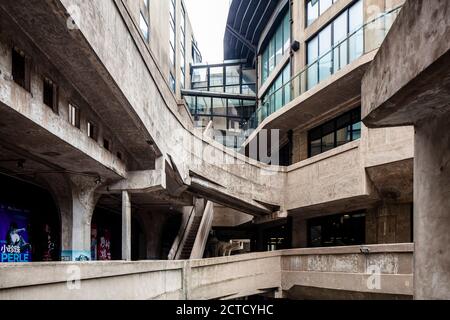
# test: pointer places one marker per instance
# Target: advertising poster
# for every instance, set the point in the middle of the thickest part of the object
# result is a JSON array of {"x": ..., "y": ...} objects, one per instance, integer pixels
[
  {"x": 14, "y": 235},
  {"x": 104, "y": 247},
  {"x": 94, "y": 242}
]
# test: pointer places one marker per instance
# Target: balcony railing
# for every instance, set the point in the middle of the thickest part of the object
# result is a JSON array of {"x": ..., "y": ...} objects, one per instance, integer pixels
[{"x": 367, "y": 38}]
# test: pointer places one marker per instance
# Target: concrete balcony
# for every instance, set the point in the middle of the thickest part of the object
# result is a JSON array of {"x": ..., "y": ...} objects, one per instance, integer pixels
[
  {"x": 342, "y": 272},
  {"x": 337, "y": 273},
  {"x": 330, "y": 182}
]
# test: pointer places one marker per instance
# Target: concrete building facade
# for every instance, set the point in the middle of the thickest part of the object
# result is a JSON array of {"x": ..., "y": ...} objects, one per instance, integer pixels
[{"x": 290, "y": 159}]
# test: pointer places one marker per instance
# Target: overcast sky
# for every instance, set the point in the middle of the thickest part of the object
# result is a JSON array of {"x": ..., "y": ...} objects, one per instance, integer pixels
[{"x": 208, "y": 19}]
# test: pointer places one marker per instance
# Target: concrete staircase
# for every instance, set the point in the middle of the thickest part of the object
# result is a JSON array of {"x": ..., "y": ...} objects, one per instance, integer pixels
[{"x": 191, "y": 240}]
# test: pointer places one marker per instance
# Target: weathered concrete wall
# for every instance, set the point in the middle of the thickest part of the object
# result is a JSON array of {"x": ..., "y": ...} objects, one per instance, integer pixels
[
  {"x": 408, "y": 62},
  {"x": 72, "y": 145},
  {"x": 225, "y": 217},
  {"x": 431, "y": 210},
  {"x": 342, "y": 269},
  {"x": 389, "y": 223},
  {"x": 337, "y": 175}
]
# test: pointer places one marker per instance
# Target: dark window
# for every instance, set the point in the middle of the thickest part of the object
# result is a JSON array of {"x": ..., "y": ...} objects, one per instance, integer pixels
[
  {"x": 119, "y": 155},
  {"x": 337, "y": 230},
  {"x": 92, "y": 131},
  {"x": 74, "y": 116},
  {"x": 50, "y": 94},
  {"x": 106, "y": 144},
  {"x": 335, "y": 133},
  {"x": 20, "y": 69}
]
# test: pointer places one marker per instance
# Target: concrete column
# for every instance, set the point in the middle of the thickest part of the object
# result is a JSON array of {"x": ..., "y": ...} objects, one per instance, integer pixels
[
  {"x": 432, "y": 209},
  {"x": 84, "y": 200},
  {"x": 126, "y": 226}
]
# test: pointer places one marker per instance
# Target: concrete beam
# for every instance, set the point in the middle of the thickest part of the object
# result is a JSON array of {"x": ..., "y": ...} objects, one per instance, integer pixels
[
  {"x": 409, "y": 79},
  {"x": 146, "y": 181}
]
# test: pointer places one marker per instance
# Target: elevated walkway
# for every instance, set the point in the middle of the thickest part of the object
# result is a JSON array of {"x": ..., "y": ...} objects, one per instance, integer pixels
[{"x": 383, "y": 271}]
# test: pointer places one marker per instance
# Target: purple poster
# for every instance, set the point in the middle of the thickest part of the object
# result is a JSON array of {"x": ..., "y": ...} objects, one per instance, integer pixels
[{"x": 14, "y": 235}]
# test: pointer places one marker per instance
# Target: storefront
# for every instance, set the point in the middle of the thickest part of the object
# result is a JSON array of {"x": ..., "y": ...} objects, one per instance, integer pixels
[
  {"x": 29, "y": 222},
  {"x": 337, "y": 230}
]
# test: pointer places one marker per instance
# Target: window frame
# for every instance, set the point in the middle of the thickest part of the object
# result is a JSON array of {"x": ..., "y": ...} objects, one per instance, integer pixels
[{"x": 355, "y": 118}]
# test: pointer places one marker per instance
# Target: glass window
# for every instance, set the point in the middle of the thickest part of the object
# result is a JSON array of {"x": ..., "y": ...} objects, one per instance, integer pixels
[
  {"x": 340, "y": 31},
  {"x": 287, "y": 87},
  {"x": 233, "y": 76},
  {"x": 74, "y": 116},
  {"x": 234, "y": 107},
  {"x": 324, "y": 5},
  {"x": 337, "y": 230},
  {"x": 334, "y": 46},
  {"x": 200, "y": 77},
  {"x": 279, "y": 45},
  {"x": 203, "y": 105},
  {"x": 233, "y": 89},
  {"x": 324, "y": 53},
  {"x": 265, "y": 66},
  {"x": 335, "y": 133},
  {"x": 287, "y": 32},
  {"x": 144, "y": 26},
  {"x": 312, "y": 10},
  {"x": 356, "y": 39},
  {"x": 216, "y": 76},
  {"x": 219, "y": 106},
  {"x": 172, "y": 82}
]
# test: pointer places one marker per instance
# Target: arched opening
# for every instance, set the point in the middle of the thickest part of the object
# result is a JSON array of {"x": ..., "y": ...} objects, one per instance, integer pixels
[{"x": 30, "y": 228}]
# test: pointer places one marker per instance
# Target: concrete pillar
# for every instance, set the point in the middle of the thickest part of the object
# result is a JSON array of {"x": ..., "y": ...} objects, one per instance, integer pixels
[
  {"x": 126, "y": 226},
  {"x": 432, "y": 209},
  {"x": 84, "y": 200}
]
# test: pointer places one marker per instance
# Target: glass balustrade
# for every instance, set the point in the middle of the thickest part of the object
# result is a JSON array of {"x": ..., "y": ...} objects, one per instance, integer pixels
[{"x": 357, "y": 43}]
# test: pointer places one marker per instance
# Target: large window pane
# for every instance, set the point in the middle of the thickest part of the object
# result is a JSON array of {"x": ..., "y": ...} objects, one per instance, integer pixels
[
  {"x": 279, "y": 45},
  {"x": 286, "y": 82},
  {"x": 340, "y": 47},
  {"x": 325, "y": 40},
  {"x": 312, "y": 11},
  {"x": 325, "y": 54},
  {"x": 199, "y": 78},
  {"x": 328, "y": 142},
  {"x": 234, "y": 108},
  {"x": 287, "y": 32},
  {"x": 265, "y": 65},
  {"x": 216, "y": 76},
  {"x": 271, "y": 56},
  {"x": 313, "y": 50},
  {"x": 324, "y": 5},
  {"x": 232, "y": 75},
  {"x": 219, "y": 106},
  {"x": 203, "y": 105},
  {"x": 356, "y": 18},
  {"x": 312, "y": 75}
]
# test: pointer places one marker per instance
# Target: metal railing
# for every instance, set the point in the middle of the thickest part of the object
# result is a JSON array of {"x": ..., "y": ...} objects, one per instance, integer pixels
[{"x": 365, "y": 39}]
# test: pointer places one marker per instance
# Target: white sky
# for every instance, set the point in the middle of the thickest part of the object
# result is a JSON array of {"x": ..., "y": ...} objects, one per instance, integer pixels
[{"x": 208, "y": 19}]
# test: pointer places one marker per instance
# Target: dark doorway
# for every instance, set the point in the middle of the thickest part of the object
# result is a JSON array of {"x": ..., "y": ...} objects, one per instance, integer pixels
[{"x": 29, "y": 222}]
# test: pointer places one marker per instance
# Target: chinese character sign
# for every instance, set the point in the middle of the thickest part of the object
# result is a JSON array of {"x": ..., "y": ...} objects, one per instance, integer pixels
[{"x": 14, "y": 235}]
